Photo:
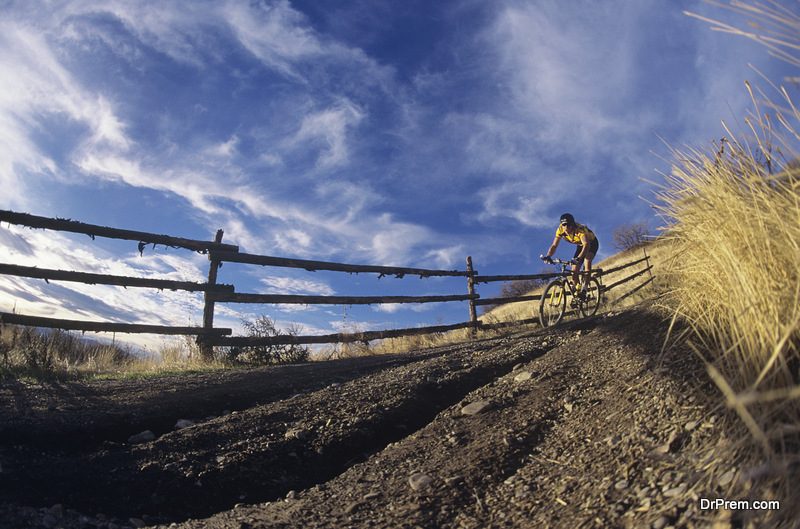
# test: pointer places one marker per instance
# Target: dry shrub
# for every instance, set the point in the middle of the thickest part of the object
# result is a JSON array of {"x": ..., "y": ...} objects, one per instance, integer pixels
[
  {"x": 263, "y": 327},
  {"x": 629, "y": 236}
]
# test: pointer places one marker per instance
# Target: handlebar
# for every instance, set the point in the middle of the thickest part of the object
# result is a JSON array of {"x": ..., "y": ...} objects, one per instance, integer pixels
[{"x": 556, "y": 261}]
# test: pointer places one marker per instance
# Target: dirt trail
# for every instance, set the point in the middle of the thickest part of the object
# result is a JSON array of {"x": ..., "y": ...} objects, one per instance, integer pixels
[{"x": 579, "y": 426}]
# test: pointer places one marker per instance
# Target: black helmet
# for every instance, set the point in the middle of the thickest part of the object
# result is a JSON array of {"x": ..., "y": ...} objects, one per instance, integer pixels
[{"x": 567, "y": 219}]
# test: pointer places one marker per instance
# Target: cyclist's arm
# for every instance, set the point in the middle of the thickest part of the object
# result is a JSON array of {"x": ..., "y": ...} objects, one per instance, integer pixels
[
  {"x": 553, "y": 246},
  {"x": 584, "y": 247}
]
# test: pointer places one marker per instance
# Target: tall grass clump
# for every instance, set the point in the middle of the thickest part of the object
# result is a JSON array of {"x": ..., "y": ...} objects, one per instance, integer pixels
[
  {"x": 735, "y": 226},
  {"x": 733, "y": 218},
  {"x": 733, "y": 215},
  {"x": 40, "y": 354}
]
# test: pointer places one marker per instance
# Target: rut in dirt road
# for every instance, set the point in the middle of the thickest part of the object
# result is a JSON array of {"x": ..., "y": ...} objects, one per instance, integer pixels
[
  {"x": 73, "y": 416},
  {"x": 601, "y": 431},
  {"x": 262, "y": 453}
]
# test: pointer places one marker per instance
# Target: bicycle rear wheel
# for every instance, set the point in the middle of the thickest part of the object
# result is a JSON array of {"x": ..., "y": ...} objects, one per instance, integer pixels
[
  {"x": 593, "y": 297},
  {"x": 553, "y": 304}
]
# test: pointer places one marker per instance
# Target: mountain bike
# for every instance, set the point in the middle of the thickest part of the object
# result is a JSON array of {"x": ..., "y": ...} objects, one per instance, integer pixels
[{"x": 553, "y": 304}]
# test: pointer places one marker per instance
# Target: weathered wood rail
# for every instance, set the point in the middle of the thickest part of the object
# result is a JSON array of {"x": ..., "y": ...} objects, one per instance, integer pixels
[
  {"x": 93, "y": 230},
  {"x": 96, "y": 326},
  {"x": 218, "y": 253},
  {"x": 104, "y": 279},
  {"x": 312, "y": 266}
]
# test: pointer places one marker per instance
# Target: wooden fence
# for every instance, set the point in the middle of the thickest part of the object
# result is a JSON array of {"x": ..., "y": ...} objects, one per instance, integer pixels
[{"x": 209, "y": 336}]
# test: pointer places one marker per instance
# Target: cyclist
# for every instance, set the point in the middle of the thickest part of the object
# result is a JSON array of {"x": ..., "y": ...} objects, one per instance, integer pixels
[{"x": 587, "y": 248}]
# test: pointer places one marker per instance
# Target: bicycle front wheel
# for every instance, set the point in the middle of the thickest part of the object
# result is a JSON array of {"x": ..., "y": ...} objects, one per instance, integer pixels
[
  {"x": 590, "y": 305},
  {"x": 553, "y": 304}
]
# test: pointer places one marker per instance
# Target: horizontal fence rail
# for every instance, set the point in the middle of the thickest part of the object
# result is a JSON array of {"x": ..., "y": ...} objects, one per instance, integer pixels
[
  {"x": 245, "y": 341},
  {"x": 626, "y": 265},
  {"x": 501, "y": 301},
  {"x": 635, "y": 289},
  {"x": 96, "y": 326},
  {"x": 527, "y": 277},
  {"x": 104, "y": 279},
  {"x": 218, "y": 253},
  {"x": 331, "y": 300},
  {"x": 92, "y": 230},
  {"x": 628, "y": 278},
  {"x": 311, "y": 266}
]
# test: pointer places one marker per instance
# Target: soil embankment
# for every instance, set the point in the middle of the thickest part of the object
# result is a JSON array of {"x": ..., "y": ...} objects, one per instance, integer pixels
[{"x": 585, "y": 425}]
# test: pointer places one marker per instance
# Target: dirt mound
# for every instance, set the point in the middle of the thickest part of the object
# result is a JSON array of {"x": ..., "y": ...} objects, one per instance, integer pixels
[{"x": 579, "y": 426}]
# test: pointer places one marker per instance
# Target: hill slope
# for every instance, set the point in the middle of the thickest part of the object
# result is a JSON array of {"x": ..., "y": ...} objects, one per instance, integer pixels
[{"x": 579, "y": 426}]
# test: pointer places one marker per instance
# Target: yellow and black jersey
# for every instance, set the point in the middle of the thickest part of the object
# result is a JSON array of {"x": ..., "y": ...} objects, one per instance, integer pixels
[{"x": 580, "y": 229}]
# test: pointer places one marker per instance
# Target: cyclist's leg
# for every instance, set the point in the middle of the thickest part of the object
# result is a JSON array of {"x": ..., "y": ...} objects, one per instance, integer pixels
[
  {"x": 576, "y": 268},
  {"x": 588, "y": 258}
]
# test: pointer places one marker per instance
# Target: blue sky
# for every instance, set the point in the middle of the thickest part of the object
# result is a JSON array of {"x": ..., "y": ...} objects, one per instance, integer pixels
[{"x": 375, "y": 132}]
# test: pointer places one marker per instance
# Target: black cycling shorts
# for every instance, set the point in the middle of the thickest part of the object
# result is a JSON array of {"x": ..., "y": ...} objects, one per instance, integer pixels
[{"x": 593, "y": 247}]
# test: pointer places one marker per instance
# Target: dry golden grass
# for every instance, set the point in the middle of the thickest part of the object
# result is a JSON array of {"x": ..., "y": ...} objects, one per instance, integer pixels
[
  {"x": 735, "y": 228},
  {"x": 734, "y": 224},
  {"x": 29, "y": 352},
  {"x": 734, "y": 217}
]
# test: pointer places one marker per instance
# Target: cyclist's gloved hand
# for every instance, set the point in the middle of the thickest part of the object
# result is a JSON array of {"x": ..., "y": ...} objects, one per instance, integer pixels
[
  {"x": 546, "y": 259},
  {"x": 575, "y": 261}
]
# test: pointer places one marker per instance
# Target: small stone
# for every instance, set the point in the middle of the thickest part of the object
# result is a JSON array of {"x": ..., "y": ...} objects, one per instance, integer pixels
[
  {"x": 660, "y": 523},
  {"x": 689, "y": 426},
  {"x": 419, "y": 481},
  {"x": 183, "y": 423},
  {"x": 142, "y": 437},
  {"x": 726, "y": 478},
  {"x": 568, "y": 406},
  {"x": 523, "y": 376},
  {"x": 613, "y": 441},
  {"x": 296, "y": 433},
  {"x": 621, "y": 484},
  {"x": 136, "y": 522},
  {"x": 352, "y": 507},
  {"x": 517, "y": 367},
  {"x": 372, "y": 495},
  {"x": 475, "y": 408},
  {"x": 675, "y": 491},
  {"x": 291, "y": 495}
]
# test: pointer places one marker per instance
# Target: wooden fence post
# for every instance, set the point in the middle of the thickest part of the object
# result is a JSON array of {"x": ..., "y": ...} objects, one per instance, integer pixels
[
  {"x": 206, "y": 349},
  {"x": 473, "y": 315},
  {"x": 647, "y": 260}
]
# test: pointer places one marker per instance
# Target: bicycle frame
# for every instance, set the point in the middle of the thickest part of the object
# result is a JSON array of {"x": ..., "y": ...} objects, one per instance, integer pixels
[{"x": 552, "y": 306}]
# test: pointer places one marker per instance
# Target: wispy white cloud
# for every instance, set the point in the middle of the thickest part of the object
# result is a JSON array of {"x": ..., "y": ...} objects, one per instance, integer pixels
[
  {"x": 326, "y": 131},
  {"x": 569, "y": 66},
  {"x": 392, "y": 308},
  {"x": 275, "y": 33},
  {"x": 293, "y": 285},
  {"x": 35, "y": 87},
  {"x": 225, "y": 149}
]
